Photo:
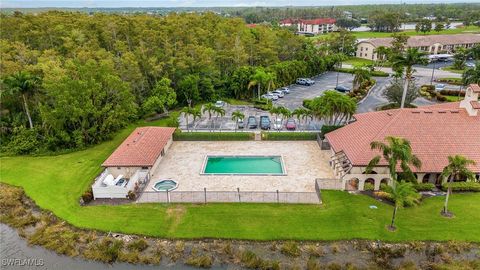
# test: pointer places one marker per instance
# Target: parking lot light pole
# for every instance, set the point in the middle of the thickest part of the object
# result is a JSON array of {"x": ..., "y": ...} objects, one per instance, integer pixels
[{"x": 433, "y": 72}]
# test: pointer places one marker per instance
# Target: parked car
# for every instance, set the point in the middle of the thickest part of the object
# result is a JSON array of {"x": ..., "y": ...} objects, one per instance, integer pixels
[
  {"x": 240, "y": 124},
  {"x": 439, "y": 87},
  {"x": 291, "y": 125},
  {"x": 310, "y": 81},
  {"x": 285, "y": 90},
  {"x": 342, "y": 89},
  {"x": 470, "y": 65},
  {"x": 264, "y": 122},
  {"x": 278, "y": 93},
  {"x": 304, "y": 81},
  {"x": 278, "y": 124},
  {"x": 270, "y": 96},
  {"x": 220, "y": 103},
  {"x": 252, "y": 122}
]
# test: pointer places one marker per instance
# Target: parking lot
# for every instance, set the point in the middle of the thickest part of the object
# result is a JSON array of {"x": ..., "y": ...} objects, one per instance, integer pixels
[
  {"x": 323, "y": 82},
  {"x": 226, "y": 123}
]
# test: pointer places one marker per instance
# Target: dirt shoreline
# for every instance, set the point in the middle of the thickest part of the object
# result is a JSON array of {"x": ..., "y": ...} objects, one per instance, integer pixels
[{"x": 42, "y": 228}]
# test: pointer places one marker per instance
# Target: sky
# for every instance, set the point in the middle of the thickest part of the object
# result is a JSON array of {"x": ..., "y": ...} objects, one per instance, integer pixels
[{"x": 202, "y": 3}]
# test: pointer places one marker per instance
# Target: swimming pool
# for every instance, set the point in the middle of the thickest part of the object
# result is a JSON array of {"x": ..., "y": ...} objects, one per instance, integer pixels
[{"x": 244, "y": 165}]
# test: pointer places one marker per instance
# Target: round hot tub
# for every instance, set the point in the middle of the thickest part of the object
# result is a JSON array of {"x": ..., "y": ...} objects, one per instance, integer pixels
[{"x": 165, "y": 185}]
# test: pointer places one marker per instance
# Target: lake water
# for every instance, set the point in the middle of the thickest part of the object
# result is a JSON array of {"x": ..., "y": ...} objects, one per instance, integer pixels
[
  {"x": 15, "y": 253},
  {"x": 405, "y": 26}
]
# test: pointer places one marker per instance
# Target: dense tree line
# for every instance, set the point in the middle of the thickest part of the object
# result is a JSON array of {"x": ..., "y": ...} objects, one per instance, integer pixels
[
  {"x": 461, "y": 11},
  {"x": 71, "y": 79}
]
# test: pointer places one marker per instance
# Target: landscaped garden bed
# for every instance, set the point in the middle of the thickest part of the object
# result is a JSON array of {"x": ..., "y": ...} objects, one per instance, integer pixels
[{"x": 289, "y": 136}]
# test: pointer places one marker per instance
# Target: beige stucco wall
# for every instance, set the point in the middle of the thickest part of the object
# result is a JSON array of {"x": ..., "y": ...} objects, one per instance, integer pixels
[
  {"x": 127, "y": 172},
  {"x": 366, "y": 51}
]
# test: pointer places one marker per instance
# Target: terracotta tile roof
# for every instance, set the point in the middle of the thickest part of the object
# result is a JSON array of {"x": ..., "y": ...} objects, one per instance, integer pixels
[
  {"x": 319, "y": 21},
  {"x": 141, "y": 148},
  {"x": 475, "y": 104},
  {"x": 475, "y": 88},
  {"x": 435, "y": 132},
  {"x": 429, "y": 40}
]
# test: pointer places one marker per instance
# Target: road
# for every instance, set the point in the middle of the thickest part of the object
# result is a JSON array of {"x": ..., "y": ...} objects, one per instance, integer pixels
[{"x": 374, "y": 99}]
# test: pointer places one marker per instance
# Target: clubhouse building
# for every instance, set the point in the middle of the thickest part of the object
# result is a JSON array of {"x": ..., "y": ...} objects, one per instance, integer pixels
[
  {"x": 435, "y": 132},
  {"x": 430, "y": 44}
]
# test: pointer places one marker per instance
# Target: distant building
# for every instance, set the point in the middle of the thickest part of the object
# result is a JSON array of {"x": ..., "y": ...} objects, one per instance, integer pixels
[
  {"x": 431, "y": 44},
  {"x": 314, "y": 26},
  {"x": 348, "y": 14}
]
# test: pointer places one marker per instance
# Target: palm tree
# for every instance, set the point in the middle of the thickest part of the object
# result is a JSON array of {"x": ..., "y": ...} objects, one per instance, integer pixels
[
  {"x": 472, "y": 75},
  {"x": 276, "y": 111},
  {"x": 403, "y": 63},
  {"x": 456, "y": 168},
  {"x": 236, "y": 116},
  {"x": 285, "y": 112},
  {"x": 196, "y": 113},
  {"x": 187, "y": 111},
  {"x": 299, "y": 113},
  {"x": 402, "y": 193},
  {"x": 396, "y": 152},
  {"x": 270, "y": 80},
  {"x": 23, "y": 83},
  {"x": 257, "y": 80},
  {"x": 361, "y": 75},
  {"x": 209, "y": 108},
  {"x": 219, "y": 111},
  {"x": 382, "y": 54}
]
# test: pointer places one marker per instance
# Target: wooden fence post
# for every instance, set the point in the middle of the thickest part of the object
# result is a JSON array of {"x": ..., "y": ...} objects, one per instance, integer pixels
[
  {"x": 278, "y": 197},
  {"x": 239, "y": 199}
]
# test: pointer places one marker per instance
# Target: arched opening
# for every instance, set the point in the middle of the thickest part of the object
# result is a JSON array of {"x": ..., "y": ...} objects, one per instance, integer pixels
[
  {"x": 369, "y": 184},
  {"x": 426, "y": 178},
  {"x": 352, "y": 184},
  {"x": 384, "y": 183}
]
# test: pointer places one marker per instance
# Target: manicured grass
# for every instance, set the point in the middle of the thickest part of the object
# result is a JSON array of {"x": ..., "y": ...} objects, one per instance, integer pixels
[
  {"x": 363, "y": 35},
  {"x": 56, "y": 183},
  {"x": 357, "y": 61},
  {"x": 451, "y": 69},
  {"x": 453, "y": 98}
]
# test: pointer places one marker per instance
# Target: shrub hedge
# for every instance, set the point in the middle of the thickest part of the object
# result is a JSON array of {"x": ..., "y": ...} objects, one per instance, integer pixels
[
  {"x": 424, "y": 186},
  {"x": 213, "y": 136},
  {"x": 376, "y": 73},
  {"x": 326, "y": 129},
  {"x": 462, "y": 186},
  {"x": 289, "y": 136},
  {"x": 454, "y": 81},
  {"x": 452, "y": 93}
]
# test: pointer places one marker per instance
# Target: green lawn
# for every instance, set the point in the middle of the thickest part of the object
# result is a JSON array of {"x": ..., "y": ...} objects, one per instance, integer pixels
[
  {"x": 357, "y": 61},
  {"x": 363, "y": 35},
  {"x": 452, "y": 69},
  {"x": 453, "y": 98},
  {"x": 56, "y": 183}
]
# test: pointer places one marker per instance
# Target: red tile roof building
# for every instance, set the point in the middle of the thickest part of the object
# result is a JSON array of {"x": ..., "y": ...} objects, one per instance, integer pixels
[
  {"x": 141, "y": 148},
  {"x": 435, "y": 132},
  {"x": 313, "y": 26}
]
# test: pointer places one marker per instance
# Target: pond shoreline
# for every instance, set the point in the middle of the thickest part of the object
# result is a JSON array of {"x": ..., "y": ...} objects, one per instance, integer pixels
[{"x": 42, "y": 228}]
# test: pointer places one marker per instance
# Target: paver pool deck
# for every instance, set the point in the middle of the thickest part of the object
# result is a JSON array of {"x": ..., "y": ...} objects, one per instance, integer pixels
[{"x": 303, "y": 160}]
